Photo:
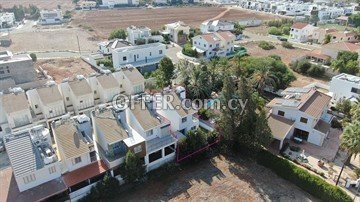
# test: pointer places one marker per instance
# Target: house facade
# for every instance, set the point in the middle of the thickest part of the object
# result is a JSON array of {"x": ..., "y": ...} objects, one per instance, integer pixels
[
  {"x": 345, "y": 86},
  {"x": 216, "y": 25},
  {"x": 214, "y": 44},
  {"x": 7, "y": 20},
  {"x": 301, "y": 32},
  {"x": 48, "y": 17},
  {"x": 177, "y": 32},
  {"x": 114, "y": 3}
]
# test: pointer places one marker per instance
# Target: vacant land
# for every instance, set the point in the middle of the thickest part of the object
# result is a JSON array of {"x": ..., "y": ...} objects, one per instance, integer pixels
[
  {"x": 219, "y": 179},
  {"x": 60, "y": 39},
  {"x": 64, "y": 68},
  {"x": 42, "y": 4},
  {"x": 104, "y": 21}
]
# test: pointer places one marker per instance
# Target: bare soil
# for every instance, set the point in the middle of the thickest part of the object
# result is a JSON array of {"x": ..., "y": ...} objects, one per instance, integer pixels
[
  {"x": 219, "y": 179},
  {"x": 64, "y": 68},
  {"x": 42, "y": 4},
  {"x": 105, "y": 21}
]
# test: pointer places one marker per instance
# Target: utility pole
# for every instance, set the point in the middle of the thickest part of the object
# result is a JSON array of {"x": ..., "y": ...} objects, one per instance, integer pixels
[{"x": 77, "y": 37}]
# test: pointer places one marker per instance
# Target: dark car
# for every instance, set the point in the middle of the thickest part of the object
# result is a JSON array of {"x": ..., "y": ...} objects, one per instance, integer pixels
[{"x": 282, "y": 39}]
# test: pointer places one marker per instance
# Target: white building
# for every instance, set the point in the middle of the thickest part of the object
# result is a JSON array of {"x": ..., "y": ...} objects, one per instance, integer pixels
[
  {"x": 345, "y": 86},
  {"x": 177, "y": 31},
  {"x": 33, "y": 160},
  {"x": 138, "y": 56},
  {"x": 304, "y": 113},
  {"x": 77, "y": 95},
  {"x": 155, "y": 129},
  {"x": 50, "y": 17},
  {"x": 130, "y": 80},
  {"x": 107, "y": 47},
  {"x": 216, "y": 25},
  {"x": 330, "y": 14},
  {"x": 114, "y": 3},
  {"x": 301, "y": 32},
  {"x": 88, "y": 5},
  {"x": 7, "y": 20},
  {"x": 214, "y": 44},
  {"x": 251, "y": 22},
  {"x": 181, "y": 118},
  {"x": 104, "y": 87},
  {"x": 137, "y": 33},
  {"x": 47, "y": 102}
]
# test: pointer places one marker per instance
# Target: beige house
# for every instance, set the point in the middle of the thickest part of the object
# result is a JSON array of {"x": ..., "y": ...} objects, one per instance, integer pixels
[{"x": 177, "y": 31}]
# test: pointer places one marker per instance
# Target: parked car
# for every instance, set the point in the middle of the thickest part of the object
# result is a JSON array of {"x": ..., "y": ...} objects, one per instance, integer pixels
[{"x": 281, "y": 38}]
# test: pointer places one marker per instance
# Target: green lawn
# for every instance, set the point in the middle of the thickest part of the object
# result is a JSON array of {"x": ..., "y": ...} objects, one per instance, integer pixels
[{"x": 336, "y": 26}]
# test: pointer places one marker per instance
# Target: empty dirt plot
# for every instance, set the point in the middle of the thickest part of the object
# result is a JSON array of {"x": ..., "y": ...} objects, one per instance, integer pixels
[
  {"x": 104, "y": 21},
  {"x": 65, "y": 68},
  {"x": 42, "y": 4}
]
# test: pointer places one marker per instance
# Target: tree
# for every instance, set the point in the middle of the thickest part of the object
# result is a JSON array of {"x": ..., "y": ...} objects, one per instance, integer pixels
[
  {"x": 33, "y": 57},
  {"x": 263, "y": 77},
  {"x": 327, "y": 39},
  {"x": 275, "y": 31},
  {"x": 346, "y": 62},
  {"x": 350, "y": 139},
  {"x": 238, "y": 29},
  {"x": 344, "y": 106},
  {"x": 104, "y": 190},
  {"x": 266, "y": 45},
  {"x": 165, "y": 73},
  {"x": 133, "y": 169},
  {"x": 354, "y": 20},
  {"x": 118, "y": 34}
]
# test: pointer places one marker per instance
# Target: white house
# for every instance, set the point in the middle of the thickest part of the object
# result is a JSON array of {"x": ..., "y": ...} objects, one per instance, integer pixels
[
  {"x": 345, "y": 86},
  {"x": 181, "y": 117},
  {"x": 155, "y": 129},
  {"x": 107, "y": 47},
  {"x": 50, "y": 17},
  {"x": 104, "y": 87},
  {"x": 46, "y": 102},
  {"x": 114, "y": 137},
  {"x": 251, "y": 22},
  {"x": 77, "y": 95},
  {"x": 7, "y": 20},
  {"x": 130, "y": 80},
  {"x": 177, "y": 31},
  {"x": 301, "y": 32},
  {"x": 304, "y": 113},
  {"x": 216, "y": 25},
  {"x": 114, "y": 3},
  {"x": 88, "y": 5},
  {"x": 214, "y": 44},
  {"x": 33, "y": 160},
  {"x": 147, "y": 55},
  {"x": 330, "y": 14}
]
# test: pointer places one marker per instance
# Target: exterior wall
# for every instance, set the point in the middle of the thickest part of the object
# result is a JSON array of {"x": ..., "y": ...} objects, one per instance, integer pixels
[
  {"x": 205, "y": 28},
  {"x": 93, "y": 83},
  {"x": 51, "y": 17},
  {"x": 330, "y": 52},
  {"x": 301, "y": 35},
  {"x": 57, "y": 109},
  {"x": 139, "y": 33},
  {"x": 175, "y": 31},
  {"x": 70, "y": 163},
  {"x": 19, "y": 118},
  {"x": 113, "y": 3},
  {"x": 22, "y": 71},
  {"x": 342, "y": 88},
  {"x": 142, "y": 55},
  {"x": 41, "y": 176},
  {"x": 83, "y": 102}
]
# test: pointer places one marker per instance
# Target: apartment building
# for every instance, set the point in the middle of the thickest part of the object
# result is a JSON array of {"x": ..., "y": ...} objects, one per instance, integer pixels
[
  {"x": 216, "y": 25},
  {"x": 177, "y": 31},
  {"x": 300, "y": 114},
  {"x": 181, "y": 117},
  {"x": 146, "y": 56},
  {"x": 115, "y": 138},
  {"x": 33, "y": 160},
  {"x": 77, "y": 95},
  {"x": 48, "y": 17},
  {"x": 46, "y": 102},
  {"x": 330, "y": 14},
  {"x": 301, "y": 32},
  {"x": 155, "y": 129},
  {"x": 219, "y": 44},
  {"x": 104, "y": 87},
  {"x": 345, "y": 86},
  {"x": 19, "y": 69},
  {"x": 7, "y": 20}
]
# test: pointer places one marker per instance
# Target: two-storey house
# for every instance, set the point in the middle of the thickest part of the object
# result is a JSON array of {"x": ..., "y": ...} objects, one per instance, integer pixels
[
  {"x": 301, "y": 32},
  {"x": 345, "y": 86}
]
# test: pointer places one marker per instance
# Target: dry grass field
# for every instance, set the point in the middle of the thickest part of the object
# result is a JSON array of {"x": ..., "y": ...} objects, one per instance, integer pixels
[
  {"x": 104, "y": 21},
  {"x": 42, "y": 4}
]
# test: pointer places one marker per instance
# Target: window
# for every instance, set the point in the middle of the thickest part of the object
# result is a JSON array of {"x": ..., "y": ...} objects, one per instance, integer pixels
[
  {"x": 194, "y": 42},
  {"x": 81, "y": 101},
  {"x": 281, "y": 113},
  {"x": 95, "y": 92},
  {"x": 77, "y": 160},
  {"x": 124, "y": 58},
  {"x": 160, "y": 52},
  {"x": 52, "y": 169},
  {"x": 29, "y": 178},
  {"x": 137, "y": 149},
  {"x": 149, "y": 133},
  {"x": 67, "y": 98},
  {"x": 184, "y": 119},
  {"x": 36, "y": 106},
  {"x": 0, "y": 129},
  {"x": 150, "y": 53},
  {"x": 355, "y": 90},
  {"x": 205, "y": 45},
  {"x": 303, "y": 120},
  {"x": 50, "y": 111}
]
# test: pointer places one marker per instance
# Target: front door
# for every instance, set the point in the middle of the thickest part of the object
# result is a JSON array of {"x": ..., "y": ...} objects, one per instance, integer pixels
[{"x": 304, "y": 135}]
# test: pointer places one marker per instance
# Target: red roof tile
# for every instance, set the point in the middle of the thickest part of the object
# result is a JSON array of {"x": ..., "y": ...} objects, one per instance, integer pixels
[
  {"x": 299, "y": 25},
  {"x": 315, "y": 103},
  {"x": 84, "y": 173}
]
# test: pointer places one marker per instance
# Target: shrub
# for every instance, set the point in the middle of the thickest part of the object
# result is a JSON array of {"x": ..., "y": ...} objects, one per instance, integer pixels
[
  {"x": 266, "y": 45},
  {"x": 118, "y": 34},
  {"x": 305, "y": 67},
  {"x": 287, "y": 45},
  {"x": 140, "y": 41},
  {"x": 295, "y": 148},
  {"x": 316, "y": 71},
  {"x": 194, "y": 141},
  {"x": 107, "y": 62},
  {"x": 132, "y": 169},
  {"x": 312, "y": 184},
  {"x": 187, "y": 50},
  {"x": 33, "y": 57},
  {"x": 104, "y": 190},
  {"x": 357, "y": 172},
  {"x": 275, "y": 31}
]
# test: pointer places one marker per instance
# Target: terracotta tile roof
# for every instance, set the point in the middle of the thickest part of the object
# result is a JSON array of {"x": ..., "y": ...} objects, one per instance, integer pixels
[
  {"x": 15, "y": 103},
  {"x": 107, "y": 81},
  {"x": 317, "y": 54},
  {"x": 84, "y": 173},
  {"x": 314, "y": 104},
  {"x": 279, "y": 126},
  {"x": 228, "y": 36},
  {"x": 210, "y": 38},
  {"x": 49, "y": 95},
  {"x": 342, "y": 46},
  {"x": 299, "y": 25}
]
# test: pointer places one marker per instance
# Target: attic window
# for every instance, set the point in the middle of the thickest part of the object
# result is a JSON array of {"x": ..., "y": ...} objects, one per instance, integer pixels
[{"x": 303, "y": 120}]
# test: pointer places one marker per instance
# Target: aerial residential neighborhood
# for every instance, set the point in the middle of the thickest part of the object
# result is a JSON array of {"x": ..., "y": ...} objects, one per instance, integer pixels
[{"x": 236, "y": 100}]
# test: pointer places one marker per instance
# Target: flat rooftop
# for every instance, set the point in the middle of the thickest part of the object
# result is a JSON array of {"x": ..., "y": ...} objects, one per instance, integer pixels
[
  {"x": 348, "y": 78},
  {"x": 134, "y": 48}
]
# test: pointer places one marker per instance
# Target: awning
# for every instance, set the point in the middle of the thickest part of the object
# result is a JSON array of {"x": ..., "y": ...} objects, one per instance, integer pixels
[
  {"x": 198, "y": 50},
  {"x": 84, "y": 173}
]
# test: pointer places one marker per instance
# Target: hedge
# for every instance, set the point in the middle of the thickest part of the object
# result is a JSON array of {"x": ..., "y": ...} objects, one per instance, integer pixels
[{"x": 312, "y": 184}]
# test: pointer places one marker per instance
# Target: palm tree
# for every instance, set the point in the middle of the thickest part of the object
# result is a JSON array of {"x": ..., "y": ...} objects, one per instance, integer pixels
[
  {"x": 350, "y": 139},
  {"x": 263, "y": 77}
]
